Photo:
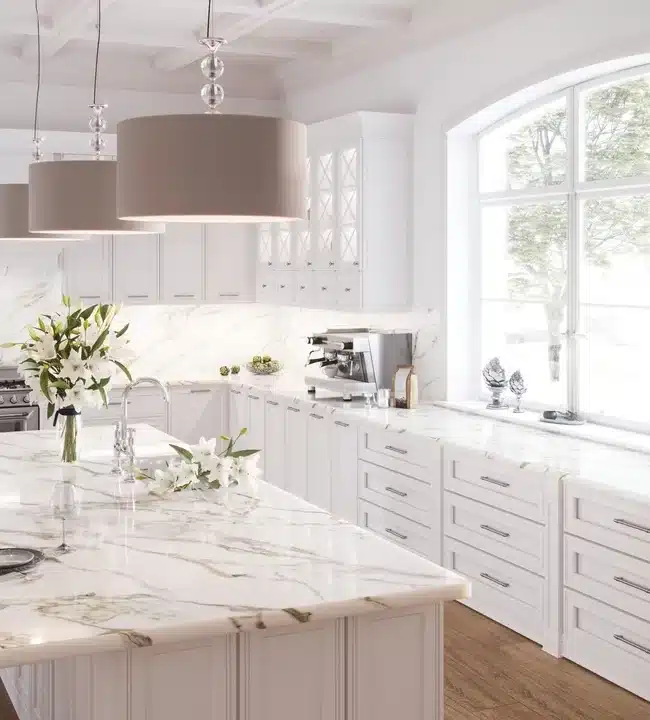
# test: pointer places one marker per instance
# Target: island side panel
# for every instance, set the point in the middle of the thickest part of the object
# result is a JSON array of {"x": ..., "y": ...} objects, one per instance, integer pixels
[
  {"x": 395, "y": 665},
  {"x": 293, "y": 673}
]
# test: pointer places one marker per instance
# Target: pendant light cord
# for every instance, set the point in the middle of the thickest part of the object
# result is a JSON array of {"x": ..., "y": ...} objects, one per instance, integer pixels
[
  {"x": 99, "y": 38},
  {"x": 207, "y": 33},
  {"x": 38, "y": 73}
]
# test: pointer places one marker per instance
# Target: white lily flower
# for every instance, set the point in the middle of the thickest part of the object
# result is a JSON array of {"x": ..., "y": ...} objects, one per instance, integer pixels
[
  {"x": 77, "y": 396},
  {"x": 92, "y": 333},
  {"x": 204, "y": 450},
  {"x": 187, "y": 473},
  {"x": 44, "y": 348},
  {"x": 165, "y": 482},
  {"x": 73, "y": 367},
  {"x": 118, "y": 349},
  {"x": 100, "y": 368}
]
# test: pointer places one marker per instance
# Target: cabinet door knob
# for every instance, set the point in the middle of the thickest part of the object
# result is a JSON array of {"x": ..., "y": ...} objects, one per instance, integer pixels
[
  {"x": 302, "y": 287},
  {"x": 324, "y": 289},
  {"x": 356, "y": 263},
  {"x": 348, "y": 290},
  {"x": 309, "y": 264},
  {"x": 264, "y": 286},
  {"x": 331, "y": 263},
  {"x": 269, "y": 263},
  {"x": 288, "y": 264},
  {"x": 282, "y": 287}
]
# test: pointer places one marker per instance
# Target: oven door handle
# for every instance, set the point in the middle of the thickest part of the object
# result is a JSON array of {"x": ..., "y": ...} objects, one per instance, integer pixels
[{"x": 22, "y": 416}]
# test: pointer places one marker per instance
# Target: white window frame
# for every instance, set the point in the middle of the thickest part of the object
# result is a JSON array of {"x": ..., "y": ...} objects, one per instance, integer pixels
[{"x": 574, "y": 191}]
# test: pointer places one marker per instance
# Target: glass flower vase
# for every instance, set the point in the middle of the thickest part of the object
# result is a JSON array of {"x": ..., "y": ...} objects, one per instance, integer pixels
[{"x": 68, "y": 425}]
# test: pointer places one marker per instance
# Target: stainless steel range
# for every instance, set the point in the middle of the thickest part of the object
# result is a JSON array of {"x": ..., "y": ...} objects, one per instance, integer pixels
[{"x": 17, "y": 413}]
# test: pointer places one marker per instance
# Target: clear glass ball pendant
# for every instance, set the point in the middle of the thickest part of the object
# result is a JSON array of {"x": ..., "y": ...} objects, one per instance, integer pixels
[
  {"x": 212, "y": 67},
  {"x": 212, "y": 95},
  {"x": 97, "y": 123}
]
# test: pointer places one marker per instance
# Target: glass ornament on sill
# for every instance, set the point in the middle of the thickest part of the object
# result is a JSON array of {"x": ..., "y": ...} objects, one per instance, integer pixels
[
  {"x": 495, "y": 378},
  {"x": 517, "y": 388}
]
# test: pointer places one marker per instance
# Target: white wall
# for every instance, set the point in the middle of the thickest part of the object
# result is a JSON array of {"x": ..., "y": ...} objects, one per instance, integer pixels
[{"x": 457, "y": 78}]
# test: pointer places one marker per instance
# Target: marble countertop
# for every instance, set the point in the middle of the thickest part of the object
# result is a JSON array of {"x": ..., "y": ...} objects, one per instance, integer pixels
[{"x": 144, "y": 570}]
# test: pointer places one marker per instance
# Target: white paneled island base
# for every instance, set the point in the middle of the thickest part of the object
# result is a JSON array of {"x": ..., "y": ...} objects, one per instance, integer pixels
[{"x": 254, "y": 605}]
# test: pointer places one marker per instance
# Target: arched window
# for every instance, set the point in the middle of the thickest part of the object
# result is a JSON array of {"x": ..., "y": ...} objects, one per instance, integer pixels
[{"x": 564, "y": 204}]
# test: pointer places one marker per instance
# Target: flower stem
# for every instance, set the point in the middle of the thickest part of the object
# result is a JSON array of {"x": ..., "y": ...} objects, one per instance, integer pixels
[{"x": 70, "y": 430}]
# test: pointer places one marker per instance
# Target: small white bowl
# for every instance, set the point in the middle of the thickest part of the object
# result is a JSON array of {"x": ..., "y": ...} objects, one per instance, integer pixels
[{"x": 330, "y": 370}]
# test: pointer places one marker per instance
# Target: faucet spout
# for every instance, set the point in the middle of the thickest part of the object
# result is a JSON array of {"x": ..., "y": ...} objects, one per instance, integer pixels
[{"x": 125, "y": 399}]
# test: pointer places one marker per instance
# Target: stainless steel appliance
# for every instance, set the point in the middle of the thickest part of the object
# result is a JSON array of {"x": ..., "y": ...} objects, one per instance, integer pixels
[
  {"x": 17, "y": 413},
  {"x": 356, "y": 362}
]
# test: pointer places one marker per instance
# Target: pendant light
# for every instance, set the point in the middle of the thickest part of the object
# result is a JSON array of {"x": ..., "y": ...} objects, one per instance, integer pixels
[
  {"x": 211, "y": 167},
  {"x": 79, "y": 196},
  {"x": 14, "y": 197}
]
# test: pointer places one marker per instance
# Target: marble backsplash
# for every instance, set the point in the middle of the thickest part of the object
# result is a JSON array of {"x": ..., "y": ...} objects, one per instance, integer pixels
[{"x": 191, "y": 342}]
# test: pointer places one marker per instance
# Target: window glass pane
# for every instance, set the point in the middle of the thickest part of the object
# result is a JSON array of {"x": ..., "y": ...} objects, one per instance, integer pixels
[
  {"x": 518, "y": 334},
  {"x": 615, "y": 307},
  {"x": 616, "y": 130},
  {"x": 529, "y": 152},
  {"x": 524, "y": 291}
]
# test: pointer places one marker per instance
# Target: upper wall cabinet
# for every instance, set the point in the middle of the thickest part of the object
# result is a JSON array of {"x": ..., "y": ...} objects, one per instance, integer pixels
[
  {"x": 354, "y": 252},
  {"x": 87, "y": 269},
  {"x": 229, "y": 263},
  {"x": 181, "y": 263},
  {"x": 135, "y": 269}
]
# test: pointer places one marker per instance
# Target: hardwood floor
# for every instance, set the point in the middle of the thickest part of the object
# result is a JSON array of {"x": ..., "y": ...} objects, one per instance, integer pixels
[{"x": 491, "y": 673}]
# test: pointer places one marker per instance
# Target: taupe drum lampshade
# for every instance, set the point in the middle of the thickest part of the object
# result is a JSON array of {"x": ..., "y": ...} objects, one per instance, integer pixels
[
  {"x": 211, "y": 168},
  {"x": 14, "y": 215},
  {"x": 78, "y": 196}
]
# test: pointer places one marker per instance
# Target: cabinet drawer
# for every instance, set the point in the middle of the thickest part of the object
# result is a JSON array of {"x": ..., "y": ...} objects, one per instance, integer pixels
[
  {"x": 594, "y": 513},
  {"x": 507, "y": 536},
  {"x": 607, "y": 575},
  {"x": 348, "y": 289},
  {"x": 397, "y": 528},
  {"x": 395, "y": 491},
  {"x": 607, "y": 642},
  {"x": 495, "y": 482},
  {"x": 411, "y": 449},
  {"x": 503, "y": 592}
]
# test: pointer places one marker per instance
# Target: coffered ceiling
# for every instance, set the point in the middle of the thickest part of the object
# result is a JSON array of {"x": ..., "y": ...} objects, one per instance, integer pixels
[{"x": 153, "y": 44}]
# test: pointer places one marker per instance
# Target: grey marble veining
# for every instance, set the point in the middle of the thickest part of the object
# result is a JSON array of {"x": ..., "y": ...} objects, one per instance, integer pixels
[{"x": 145, "y": 571}]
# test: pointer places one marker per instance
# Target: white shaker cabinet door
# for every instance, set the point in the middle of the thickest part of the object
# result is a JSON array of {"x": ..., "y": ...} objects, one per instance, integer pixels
[
  {"x": 274, "y": 442},
  {"x": 344, "y": 458},
  {"x": 254, "y": 440},
  {"x": 135, "y": 269},
  {"x": 296, "y": 451},
  {"x": 87, "y": 269},
  {"x": 230, "y": 263},
  {"x": 181, "y": 263},
  {"x": 319, "y": 478},
  {"x": 237, "y": 412},
  {"x": 197, "y": 412}
]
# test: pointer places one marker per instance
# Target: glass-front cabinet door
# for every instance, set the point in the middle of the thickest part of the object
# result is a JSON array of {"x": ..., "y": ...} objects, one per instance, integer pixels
[
  {"x": 347, "y": 235},
  {"x": 283, "y": 246},
  {"x": 323, "y": 214},
  {"x": 302, "y": 245},
  {"x": 265, "y": 246}
]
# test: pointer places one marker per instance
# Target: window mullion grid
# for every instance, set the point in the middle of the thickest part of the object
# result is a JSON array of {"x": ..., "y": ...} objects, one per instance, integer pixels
[{"x": 574, "y": 253}]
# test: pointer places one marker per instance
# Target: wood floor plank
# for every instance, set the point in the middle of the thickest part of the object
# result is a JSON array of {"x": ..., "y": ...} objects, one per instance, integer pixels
[
  {"x": 494, "y": 674},
  {"x": 454, "y": 711}
]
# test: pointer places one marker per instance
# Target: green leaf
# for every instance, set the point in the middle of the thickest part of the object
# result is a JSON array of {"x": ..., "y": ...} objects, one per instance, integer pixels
[
  {"x": 122, "y": 331},
  {"x": 124, "y": 369},
  {"x": 99, "y": 342},
  {"x": 9, "y": 345},
  {"x": 102, "y": 392},
  {"x": 41, "y": 324},
  {"x": 44, "y": 383},
  {"x": 225, "y": 438},
  {"x": 88, "y": 312},
  {"x": 66, "y": 301},
  {"x": 50, "y": 410},
  {"x": 183, "y": 452},
  {"x": 33, "y": 334},
  {"x": 243, "y": 453}
]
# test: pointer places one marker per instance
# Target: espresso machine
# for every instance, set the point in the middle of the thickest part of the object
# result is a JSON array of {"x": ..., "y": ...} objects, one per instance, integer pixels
[{"x": 356, "y": 362}]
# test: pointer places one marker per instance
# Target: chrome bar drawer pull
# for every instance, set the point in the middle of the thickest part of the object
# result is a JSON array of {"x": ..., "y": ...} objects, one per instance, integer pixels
[
  {"x": 200, "y": 391},
  {"x": 500, "y": 483},
  {"x": 396, "y": 450},
  {"x": 631, "y": 643},
  {"x": 316, "y": 417},
  {"x": 629, "y": 583},
  {"x": 633, "y": 526},
  {"x": 293, "y": 409},
  {"x": 272, "y": 402},
  {"x": 390, "y": 489},
  {"x": 495, "y": 580},
  {"x": 500, "y": 533},
  {"x": 341, "y": 424},
  {"x": 394, "y": 533},
  {"x": 254, "y": 397}
]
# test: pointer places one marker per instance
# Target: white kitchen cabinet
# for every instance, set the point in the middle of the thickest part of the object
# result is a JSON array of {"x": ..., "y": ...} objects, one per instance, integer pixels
[
  {"x": 237, "y": 411},
  {"x": 181, "y": 263},
  {"x": 197, "y": 412},
  {"x": 296, "y": 453},
  {"x": 343, "y": 440},
  {"x": 319, "y": 470},
  {"x": 230, "y": 263},
  {"x": 358, "y": 237},
  {"x": 135, "y": 269},
  {"x": 274, "y": 441},
  {"x": 254, "y": 440},
  {"x": 87, "y": 269}
]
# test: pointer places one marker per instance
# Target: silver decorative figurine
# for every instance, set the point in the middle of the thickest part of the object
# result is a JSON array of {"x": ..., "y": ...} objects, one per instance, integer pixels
[
  {"x": 495, "y": 379},
  {"x": 517, "y": 388}
]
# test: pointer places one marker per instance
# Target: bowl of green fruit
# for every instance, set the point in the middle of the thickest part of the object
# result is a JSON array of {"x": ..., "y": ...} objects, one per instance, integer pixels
[{"x": 264, "y": 365}]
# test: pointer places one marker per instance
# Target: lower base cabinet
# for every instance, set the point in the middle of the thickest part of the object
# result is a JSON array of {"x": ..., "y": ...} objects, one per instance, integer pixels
[
  {"x": 197, "y": 412},
  {"x": 344, "y": 452},
  {"x": 275, "y": 442},
  {"x": 319, "y": 471},
  {"x": 379, "y": 666},
  {"x": 296, "y": 450}
]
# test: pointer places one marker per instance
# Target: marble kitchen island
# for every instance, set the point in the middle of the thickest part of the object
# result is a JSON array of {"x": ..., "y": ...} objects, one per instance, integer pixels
[{"x": 256, "y": 606}]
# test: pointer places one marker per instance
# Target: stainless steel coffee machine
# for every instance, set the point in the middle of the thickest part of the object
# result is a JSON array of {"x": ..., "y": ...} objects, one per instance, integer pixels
[{"x": 356, "y": 362}]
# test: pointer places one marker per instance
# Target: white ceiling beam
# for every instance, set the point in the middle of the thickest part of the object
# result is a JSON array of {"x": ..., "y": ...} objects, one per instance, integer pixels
[
  {"x": 175, "y": 59},
  {"x": 73, "y": 18},
  {"x": 361, "y": 17}
]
